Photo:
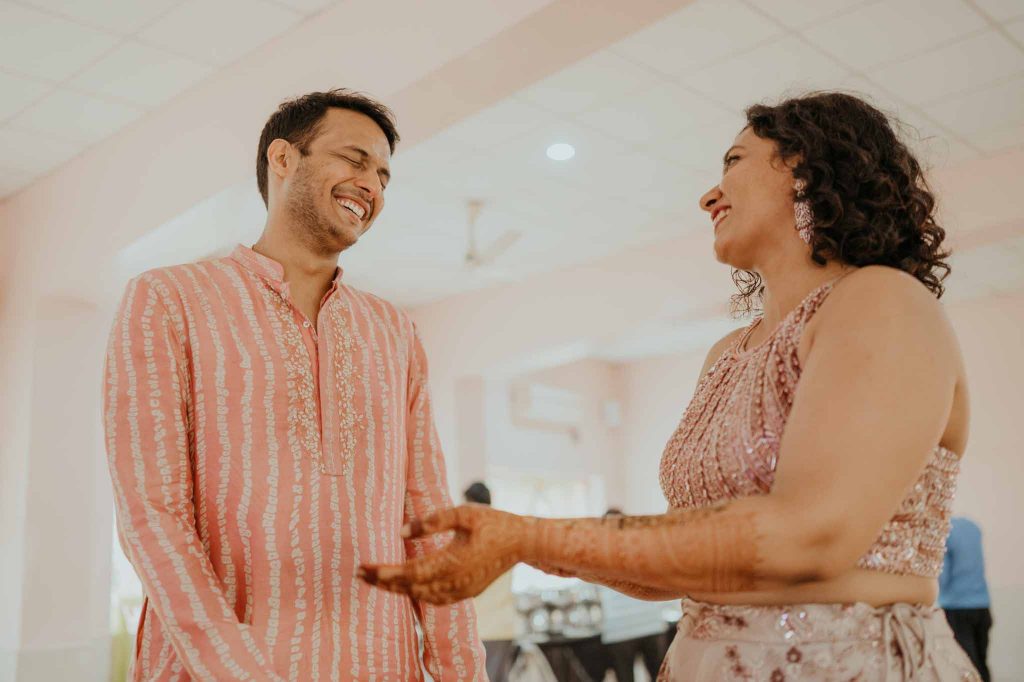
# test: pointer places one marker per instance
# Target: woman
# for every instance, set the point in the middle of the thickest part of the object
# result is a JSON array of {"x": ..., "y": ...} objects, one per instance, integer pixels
[{"x": 811, "y": 478}]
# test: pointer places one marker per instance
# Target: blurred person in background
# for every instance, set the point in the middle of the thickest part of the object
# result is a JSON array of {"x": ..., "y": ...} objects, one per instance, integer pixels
[
  {"x": 498, "y": 621},
  {"x": 631, "y": 628},
  {"x": 963, "y": 592}
]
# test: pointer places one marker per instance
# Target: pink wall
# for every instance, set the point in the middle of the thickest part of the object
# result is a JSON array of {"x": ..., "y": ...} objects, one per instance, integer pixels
[
  {"x": 598, "y": 442},
  {"x": 657, "y": 391}
]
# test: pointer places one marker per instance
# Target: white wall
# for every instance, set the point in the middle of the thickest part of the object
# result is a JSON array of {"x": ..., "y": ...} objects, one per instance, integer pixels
[
  {"x": 589, "y": 449},
  {"x": 991, "y": 333}
]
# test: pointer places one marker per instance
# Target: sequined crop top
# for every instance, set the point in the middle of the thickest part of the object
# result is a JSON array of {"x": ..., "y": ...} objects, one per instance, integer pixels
[{"x": 727, "y": 446}]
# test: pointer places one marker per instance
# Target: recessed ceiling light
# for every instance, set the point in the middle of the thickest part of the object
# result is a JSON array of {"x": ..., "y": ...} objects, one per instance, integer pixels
[{"x": 561, "y": 151}]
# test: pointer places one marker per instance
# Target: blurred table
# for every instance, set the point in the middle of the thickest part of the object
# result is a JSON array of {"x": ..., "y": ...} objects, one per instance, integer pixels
[{"x": 574, "y": 659}]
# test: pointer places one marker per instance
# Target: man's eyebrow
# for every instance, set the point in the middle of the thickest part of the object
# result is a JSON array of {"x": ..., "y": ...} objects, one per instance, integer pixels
[{"x": 358, "y": 150}]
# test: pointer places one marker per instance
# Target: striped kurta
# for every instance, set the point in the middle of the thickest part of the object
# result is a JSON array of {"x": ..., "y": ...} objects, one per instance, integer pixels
[{"x": 257, "y": 460}]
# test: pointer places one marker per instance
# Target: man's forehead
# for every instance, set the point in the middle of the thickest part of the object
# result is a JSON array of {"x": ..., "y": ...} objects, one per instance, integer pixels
[{"x": 345, "y": 127}]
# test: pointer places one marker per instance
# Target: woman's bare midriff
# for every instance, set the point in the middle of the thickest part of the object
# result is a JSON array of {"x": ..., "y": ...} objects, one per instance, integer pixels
[{"x": 859, "y": 585}]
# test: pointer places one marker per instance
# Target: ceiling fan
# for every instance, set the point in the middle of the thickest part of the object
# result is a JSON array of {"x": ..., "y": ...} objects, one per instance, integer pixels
[{"x": 478, "y": 259}]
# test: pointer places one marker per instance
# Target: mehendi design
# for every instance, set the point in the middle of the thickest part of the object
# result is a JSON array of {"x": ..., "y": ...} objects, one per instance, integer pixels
[{"x": 655, "y": 556}]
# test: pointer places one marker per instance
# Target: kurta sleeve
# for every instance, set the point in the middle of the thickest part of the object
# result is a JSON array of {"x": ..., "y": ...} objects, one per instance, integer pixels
[
  {"x": 452, "y": 646},
  {"x": 146, "y": 419}
]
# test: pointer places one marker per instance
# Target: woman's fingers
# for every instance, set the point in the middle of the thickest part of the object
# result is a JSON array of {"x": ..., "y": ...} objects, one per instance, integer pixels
[
  {"x": 437, "y": 581},
  {"x": 438, "y": 522}
]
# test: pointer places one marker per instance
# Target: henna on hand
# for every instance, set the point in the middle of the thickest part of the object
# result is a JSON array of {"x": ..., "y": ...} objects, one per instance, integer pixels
[
  {"x": 653, "y": 557},
  {"x": 487, "y": 543},
  {"x": 708, "y": 550}
]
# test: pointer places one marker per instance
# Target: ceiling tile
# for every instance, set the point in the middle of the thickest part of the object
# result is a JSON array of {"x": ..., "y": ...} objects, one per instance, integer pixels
[
  {"x": 675, "y": 194},
  {"x": 661, "y": 112},
  {"x": 782, "y": 68},
  {"x": 999, "y": 139},
  {"x": 504, "y": 172},
  {"x": 934, "y": 146},
  {"x": 38, "y": 44},
  {"x": 307, "y": 7},
  {"x": 119, "y": 16},
  {"x": 16, "y": 93},
  {"x": 498, "y": 123},
  {"x": 518, "y": 174},
  {"x": 700, "y": 33},
  {"x": 213, "y": 32},
  {"x": 1001, "y": 10},
  {"x": 701, "y": 149},
  {"x": 34, "y": 154},
  {"x": 599, "y": 78},
  {"x": 963, "y": 65},
  {"x": 994, "y": 267},
  {"x": 992, "y": 108},
  {"x": 559, "y": 198},
  {"x": 1016, "y": 29},
  {"x": 12, "y": 180},
  {"x": 425, "y": 158},
  {"x": 624, "y": 175},
  {"x": 478, "y": 176},
  {"x": 800, "y": 13},
  {"x": 141, "y": 74},
  {"x": 886, "y": 31},
  {"x": 75, "y": 117},
  {"x": 595, "y": 155}
]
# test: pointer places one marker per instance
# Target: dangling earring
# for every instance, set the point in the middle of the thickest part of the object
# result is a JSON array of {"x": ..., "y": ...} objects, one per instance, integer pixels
[{"x": 802, "y": 209}]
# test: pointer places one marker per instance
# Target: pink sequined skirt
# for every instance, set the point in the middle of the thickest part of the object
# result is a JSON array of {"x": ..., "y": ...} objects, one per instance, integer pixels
[{"x": 823, "y": 642}]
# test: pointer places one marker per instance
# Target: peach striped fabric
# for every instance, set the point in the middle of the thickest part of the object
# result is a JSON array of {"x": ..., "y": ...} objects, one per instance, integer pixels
[{"x": 256, "y": 462}]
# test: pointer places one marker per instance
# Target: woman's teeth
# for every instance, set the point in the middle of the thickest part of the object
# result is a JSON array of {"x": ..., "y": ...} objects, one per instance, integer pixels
[{"x": 721, "y": 215}]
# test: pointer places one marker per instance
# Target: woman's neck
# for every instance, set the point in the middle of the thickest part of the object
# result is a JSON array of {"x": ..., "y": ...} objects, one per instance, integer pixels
[{"x": 786, "y": 287}]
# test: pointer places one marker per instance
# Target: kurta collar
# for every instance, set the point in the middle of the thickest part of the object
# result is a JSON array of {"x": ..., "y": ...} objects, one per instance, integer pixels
[{"x": 268, "y": 268}]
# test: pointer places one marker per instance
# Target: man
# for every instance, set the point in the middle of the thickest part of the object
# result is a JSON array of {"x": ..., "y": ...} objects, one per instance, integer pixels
[
  {"x": 269, "y": 428},
  {"x": 499, "y": 621},
  {"x": 963, "y": 592}
]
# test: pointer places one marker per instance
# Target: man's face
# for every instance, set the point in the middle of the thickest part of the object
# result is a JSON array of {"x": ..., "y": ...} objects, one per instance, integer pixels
[{"x": 337, "y": 188}]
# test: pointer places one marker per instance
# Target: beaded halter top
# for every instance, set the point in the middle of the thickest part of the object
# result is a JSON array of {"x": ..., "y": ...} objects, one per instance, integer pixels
[{"x": 727, "y": 447}]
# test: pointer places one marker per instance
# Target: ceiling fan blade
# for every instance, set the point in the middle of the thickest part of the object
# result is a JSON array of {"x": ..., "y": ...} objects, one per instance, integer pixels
[{"x": 500, "y": 246}]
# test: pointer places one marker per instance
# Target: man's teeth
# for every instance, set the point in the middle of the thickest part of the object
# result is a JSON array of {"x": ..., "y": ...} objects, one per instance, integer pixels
[
  {"x": 352, "y": 206},
  {"x": 722, "y": 215}
]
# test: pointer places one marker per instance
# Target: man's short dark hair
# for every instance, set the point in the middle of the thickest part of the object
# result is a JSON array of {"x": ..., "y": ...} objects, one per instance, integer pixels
[
  {"x": 479, "y": 493},
  {"x": 298, "y": 121}
]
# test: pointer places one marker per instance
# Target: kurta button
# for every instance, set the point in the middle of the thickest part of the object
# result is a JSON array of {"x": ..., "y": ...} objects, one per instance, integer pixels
[{"x": 305, "y": 323}]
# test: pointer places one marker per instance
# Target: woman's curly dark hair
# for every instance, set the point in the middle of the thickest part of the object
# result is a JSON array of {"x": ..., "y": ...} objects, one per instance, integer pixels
[{"x": 869, "y": 198}]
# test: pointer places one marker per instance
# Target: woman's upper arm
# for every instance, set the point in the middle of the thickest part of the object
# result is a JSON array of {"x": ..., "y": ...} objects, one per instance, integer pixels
[{"x": 872, "y": 403}]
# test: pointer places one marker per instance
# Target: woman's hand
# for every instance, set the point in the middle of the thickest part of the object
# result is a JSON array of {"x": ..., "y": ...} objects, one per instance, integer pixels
[{"x": 487, "y": 543}]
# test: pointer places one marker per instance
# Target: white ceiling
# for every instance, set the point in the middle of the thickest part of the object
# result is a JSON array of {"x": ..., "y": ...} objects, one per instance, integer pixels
[
  {"x": 649, "y": 116},
  {"x": 73, "y": 72}
]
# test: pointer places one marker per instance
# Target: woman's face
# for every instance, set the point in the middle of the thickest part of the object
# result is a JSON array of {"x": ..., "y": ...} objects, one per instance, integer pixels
[{"x": 752, "y": 207}]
